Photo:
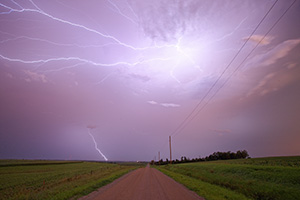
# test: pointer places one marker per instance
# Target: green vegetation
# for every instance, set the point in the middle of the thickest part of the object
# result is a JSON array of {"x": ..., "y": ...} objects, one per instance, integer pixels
[
  {"x": 257, "y": 178},
  {"x": 215, "y": 156},
  {"x": 25, "y": 179}
]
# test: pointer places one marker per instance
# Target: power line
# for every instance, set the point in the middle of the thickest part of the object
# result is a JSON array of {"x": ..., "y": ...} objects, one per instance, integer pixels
[
  {"x": 182, "y": 124},
  {"x": 239, "y": 66}
]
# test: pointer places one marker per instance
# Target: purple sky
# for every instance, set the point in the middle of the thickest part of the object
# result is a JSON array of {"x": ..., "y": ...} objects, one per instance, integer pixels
[{"x": 135, "y": 70}]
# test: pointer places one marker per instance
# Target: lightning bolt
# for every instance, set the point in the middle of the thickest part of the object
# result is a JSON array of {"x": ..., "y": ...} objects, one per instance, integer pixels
[
  {"x": 178, "y": 53},
  {"x": 103, "y": 79},
  {"x": 15, "y": 38},
  {"x": 114, "y": 41},
  {"x": 82, "y": 60},
  {"x": 232, "y": 32},
  {"x": 63, "y": 68},
  {"x": 131, "y": 9},
  {"x": 96, "y": 146},
  {"x": 121, "y": 13},
  {"x": 40, "y": 11}
]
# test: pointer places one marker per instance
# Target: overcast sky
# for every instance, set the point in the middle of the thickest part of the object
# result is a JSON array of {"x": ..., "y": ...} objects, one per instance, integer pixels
[{"x": 135, "y": 72}]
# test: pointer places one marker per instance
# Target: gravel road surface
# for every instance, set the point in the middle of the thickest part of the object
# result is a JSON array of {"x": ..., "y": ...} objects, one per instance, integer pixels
[{"x": 143, "y": 184}]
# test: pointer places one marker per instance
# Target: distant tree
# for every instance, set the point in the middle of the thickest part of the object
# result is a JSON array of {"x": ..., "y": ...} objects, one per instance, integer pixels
[
  {"x": 214, "y": 156},
  {"x": 245, "y": 154},
  {"x": 232, "y": 155},
  {"x": 239, "y": 155},
  {"x": 161, "y": 161}
]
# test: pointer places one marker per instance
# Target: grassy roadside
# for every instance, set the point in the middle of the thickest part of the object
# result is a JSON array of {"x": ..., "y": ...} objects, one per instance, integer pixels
[
  {"x": 261, "y": 178},
  {"x": 203, "y": 189},
  {"x": 56, "y": 179}
]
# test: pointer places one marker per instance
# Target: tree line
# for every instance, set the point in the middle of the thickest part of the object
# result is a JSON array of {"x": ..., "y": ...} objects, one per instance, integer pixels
[{"x": 215, "y": 156}]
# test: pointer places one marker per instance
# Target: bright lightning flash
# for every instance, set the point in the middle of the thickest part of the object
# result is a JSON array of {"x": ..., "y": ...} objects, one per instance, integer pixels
[
  {"x": 96, "y": 145},
  {"x": 166, "y": 59}
]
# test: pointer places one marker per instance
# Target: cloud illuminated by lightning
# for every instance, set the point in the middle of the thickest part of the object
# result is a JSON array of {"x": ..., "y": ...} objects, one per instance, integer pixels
[
  {"x": 115, "y": 41},
  {"x": 173, "y": 59},
  {"x": 40, "y": 11}
]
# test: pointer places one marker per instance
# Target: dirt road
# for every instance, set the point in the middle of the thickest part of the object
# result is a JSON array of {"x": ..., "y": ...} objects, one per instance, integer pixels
[{"x": 144, "y": 184}]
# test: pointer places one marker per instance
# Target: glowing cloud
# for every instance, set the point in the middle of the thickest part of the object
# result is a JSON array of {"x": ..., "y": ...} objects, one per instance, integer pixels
[
  {"x": 152, "y": 102},
  {"x": 260, "y": 39},
  {"x": 281, "y": 51},
  {"x": 167, "y": 105},
  {"x": 35, "y": 76},
  {"x": 172, "y": 105}
]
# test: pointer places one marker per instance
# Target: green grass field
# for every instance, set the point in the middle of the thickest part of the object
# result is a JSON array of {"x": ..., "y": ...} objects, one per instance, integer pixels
[
  {"x": 27, "y": 179},
  {"x": 257, "y": 178}
]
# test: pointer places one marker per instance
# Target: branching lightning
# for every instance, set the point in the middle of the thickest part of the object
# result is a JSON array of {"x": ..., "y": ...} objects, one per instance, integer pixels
[
  {"x": 114, "y": 41},
  {"x": 121, "y": 13},
  {"x": 15, "y": 38},
  {"x": 178, "y": 54},
  {"x": 82, "y": 60},
  {"x": 172, "y": 58},
  {"x": 40, "y": 11}
]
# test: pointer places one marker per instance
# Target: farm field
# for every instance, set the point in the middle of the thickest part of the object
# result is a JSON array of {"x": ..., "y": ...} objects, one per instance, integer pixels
[
  {"x": 256, "y": 178},
  {"x": 34, "y": 179}
]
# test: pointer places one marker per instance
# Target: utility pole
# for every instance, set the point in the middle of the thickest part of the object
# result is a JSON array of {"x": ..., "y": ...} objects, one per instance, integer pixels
[
  {"x": 170, "y": 149},
  {"x": 159, "y": 157}
]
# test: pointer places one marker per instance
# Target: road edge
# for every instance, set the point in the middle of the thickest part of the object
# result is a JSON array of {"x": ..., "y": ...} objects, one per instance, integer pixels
[{"x": 93, "y": 194}]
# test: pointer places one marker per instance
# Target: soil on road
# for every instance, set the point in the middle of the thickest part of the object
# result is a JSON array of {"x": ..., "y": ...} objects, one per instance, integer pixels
[{"x": 144, "y": 184}]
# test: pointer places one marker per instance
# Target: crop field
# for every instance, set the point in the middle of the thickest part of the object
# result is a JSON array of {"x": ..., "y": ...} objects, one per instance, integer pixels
[
  {"x": 27, "y": 179},
  {"x": 271, "y": 178}
]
